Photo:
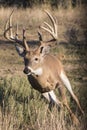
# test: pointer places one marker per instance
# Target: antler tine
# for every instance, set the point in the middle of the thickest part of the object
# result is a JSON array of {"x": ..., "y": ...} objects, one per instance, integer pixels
[
  {"x": 24, "y": 41},
  {"x": 8, "y": 23},
  {"x": 6, "y": 34},
  {"x": 51, "y": 18},
  {"x": 46, "y": 29},
  {"x": 9, "y": 28},
  {"x": 49, "y": 28},
  {"x": 16, "y": 34}
]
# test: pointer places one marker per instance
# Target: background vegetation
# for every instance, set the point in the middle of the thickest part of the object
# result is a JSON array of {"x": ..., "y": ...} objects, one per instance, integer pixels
[
  {"x": 21, "y": 107},
  {"x": 53, "y": 3}
]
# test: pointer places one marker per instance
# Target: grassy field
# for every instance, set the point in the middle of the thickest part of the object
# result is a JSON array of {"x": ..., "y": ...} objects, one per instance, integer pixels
[{"x": 21, "y": 107}]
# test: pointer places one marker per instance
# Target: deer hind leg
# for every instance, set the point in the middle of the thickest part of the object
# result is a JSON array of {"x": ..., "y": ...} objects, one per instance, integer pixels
[
  {"x": 67, "y": 84},
  {"x": 65, "y": 103},
  {"x": 74, "y": 118}
]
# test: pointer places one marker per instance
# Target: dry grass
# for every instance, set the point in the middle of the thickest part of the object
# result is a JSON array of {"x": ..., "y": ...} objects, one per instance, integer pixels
[{"x": 33, "y": 18}]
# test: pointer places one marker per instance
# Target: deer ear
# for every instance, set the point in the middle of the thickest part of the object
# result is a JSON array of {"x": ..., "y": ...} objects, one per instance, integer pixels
[
  {"x": 44, "y": 50},
  {"x": 20, "y": 50}
]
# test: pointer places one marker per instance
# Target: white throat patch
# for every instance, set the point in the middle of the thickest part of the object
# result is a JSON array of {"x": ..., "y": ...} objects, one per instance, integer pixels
[{"x": 37, "y": 72}]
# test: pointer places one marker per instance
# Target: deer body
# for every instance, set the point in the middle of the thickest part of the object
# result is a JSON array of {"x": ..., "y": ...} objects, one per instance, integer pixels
[{"x": 49, "y": 78}]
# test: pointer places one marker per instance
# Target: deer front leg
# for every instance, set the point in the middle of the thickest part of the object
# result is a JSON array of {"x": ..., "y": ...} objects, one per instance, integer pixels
[{"x": 51, "y": 97}]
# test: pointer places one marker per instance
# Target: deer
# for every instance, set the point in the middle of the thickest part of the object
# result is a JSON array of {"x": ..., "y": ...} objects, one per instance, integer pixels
[{"x": 44, "y": 70}]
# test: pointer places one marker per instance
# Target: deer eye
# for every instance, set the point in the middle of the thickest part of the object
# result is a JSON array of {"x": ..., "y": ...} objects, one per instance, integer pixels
[{"x": 36, "y": 59}]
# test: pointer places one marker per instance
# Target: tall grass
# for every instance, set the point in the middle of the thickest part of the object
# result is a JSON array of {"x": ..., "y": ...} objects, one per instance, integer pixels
[
  {"x": 21, "y": 108},
  {"x": 29, "y": 19}
]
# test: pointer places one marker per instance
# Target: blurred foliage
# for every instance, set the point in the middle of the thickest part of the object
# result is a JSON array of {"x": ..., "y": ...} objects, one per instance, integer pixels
[{"x": 31, "y": 3}]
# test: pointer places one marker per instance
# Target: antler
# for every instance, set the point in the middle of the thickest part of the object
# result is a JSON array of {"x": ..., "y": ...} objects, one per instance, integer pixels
[
  {"x": 51, "y": 29},
  {"x": 8, "y": 29},
  {"x": 10, "y": 37},
  {"x": 24, "y": 41}
]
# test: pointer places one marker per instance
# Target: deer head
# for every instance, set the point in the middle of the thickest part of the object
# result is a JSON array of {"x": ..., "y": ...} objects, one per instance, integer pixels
[{"x": 32, "y": 58}]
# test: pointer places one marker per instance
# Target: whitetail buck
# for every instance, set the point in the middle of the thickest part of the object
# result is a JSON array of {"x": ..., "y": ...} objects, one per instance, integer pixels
[{"x": 44, "y": 70}]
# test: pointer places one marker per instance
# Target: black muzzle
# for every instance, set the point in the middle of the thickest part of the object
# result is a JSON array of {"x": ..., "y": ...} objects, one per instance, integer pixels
[{"x": 26, "y": 70}]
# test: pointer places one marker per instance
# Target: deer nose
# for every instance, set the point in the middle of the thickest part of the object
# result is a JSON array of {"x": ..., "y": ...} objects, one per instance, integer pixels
[{"x": 26, "y": 70}]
